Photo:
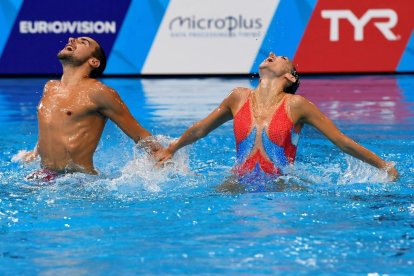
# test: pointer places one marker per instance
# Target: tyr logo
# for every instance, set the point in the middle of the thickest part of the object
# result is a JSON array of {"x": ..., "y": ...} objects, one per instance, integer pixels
[{"x": 384, "y": 27}]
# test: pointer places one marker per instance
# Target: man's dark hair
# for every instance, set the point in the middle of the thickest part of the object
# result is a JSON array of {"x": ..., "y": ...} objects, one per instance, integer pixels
[
  {"x": 100, "y": 55},
  {"x": 291, "y": 89}
]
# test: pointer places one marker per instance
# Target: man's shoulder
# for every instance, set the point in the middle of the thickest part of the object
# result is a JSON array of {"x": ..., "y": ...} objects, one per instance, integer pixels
[
  {"x": 52, "y": 83},
  {"x": 101, "y": 93},
  {"x": 99, "y": 88}
]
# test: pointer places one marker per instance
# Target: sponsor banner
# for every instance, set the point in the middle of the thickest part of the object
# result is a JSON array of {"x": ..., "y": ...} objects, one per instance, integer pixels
[
  {"x": 356, "y": 36},
  {"x": 8, "y": 13},
  {"x": 214, "y": 36},
  {"x": 211, "y": 36},
  {"x": 283, "y": 36},
  {"x": 407, "y": 60},
  {"x": 136, "y": 36},
  {"x": 42, "y": 28}
]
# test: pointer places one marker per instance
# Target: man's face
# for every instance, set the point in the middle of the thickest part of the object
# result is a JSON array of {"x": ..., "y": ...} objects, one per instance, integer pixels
[
  {"x": 277, "y": 65},
  {"x": 78, "y": 49}
]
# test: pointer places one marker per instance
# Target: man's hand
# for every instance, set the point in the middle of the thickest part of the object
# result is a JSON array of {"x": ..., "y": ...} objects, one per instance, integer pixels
[
  {"x": 391, "y": 171},
  {"x": 25, "y": 156},
  {"x": 150, "y": 145}
]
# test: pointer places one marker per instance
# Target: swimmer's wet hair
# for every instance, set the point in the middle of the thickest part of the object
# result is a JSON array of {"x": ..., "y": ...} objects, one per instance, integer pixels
[
  {"x": 291, "y": 89},
  {"x": 101, "y": 56}
]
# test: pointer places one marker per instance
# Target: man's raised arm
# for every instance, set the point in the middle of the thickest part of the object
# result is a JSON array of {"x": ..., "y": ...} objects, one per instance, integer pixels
[{"x": 111, "y": 106}]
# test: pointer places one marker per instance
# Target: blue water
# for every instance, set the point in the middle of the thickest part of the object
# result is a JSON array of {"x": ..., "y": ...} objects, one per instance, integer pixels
[{"x": 335, "y": 215}]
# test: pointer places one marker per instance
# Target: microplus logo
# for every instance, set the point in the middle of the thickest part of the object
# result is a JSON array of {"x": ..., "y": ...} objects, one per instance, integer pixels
[
  {"x": 229, "y": 24},
  {"x": 62, "y": 27},
  {"x": 359, "y": 23}
]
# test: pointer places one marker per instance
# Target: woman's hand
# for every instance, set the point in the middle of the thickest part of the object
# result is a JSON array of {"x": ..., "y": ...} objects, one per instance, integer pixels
[{"x": 162, "y": 155}]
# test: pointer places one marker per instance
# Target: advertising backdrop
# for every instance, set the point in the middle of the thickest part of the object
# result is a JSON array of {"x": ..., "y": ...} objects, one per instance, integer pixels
[{"x": 211, "y": 36}]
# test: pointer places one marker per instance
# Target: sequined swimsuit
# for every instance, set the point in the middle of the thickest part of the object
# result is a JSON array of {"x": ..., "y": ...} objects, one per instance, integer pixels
[{"x": 279, "y": 142}]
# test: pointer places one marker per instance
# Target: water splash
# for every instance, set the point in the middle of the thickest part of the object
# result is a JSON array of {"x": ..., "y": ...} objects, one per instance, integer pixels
[
  {"x": 354, "y": 176},
  {"x": 137, "y": 175},
  {"x": 141, "y": 173},
  {"x": 360, "y": 172}
]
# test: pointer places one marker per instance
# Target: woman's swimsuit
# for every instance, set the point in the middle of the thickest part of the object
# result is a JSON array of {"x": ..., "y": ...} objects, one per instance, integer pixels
[{"x": 279, "y": 142}]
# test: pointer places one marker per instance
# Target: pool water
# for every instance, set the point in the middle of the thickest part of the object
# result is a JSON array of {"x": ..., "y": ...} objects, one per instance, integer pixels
[{"x": 345, "y": 217}]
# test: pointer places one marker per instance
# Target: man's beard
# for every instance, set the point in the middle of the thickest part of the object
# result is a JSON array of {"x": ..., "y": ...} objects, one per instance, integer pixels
[{"x": 68, "y": 59}]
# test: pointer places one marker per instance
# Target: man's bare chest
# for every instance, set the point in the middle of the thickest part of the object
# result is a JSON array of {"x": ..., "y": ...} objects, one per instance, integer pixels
[{"x": 58, "y": 108}]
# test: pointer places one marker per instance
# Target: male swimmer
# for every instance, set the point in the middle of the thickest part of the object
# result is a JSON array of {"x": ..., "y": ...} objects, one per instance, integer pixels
[
  {"x": 267, "y": 124},
  {"x": 73, "y": 111}
]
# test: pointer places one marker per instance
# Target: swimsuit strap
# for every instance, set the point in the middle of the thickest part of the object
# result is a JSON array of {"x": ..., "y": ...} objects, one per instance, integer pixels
[
  {"x": 280, "y": 104},
  {"x": 242, "y": 121}
]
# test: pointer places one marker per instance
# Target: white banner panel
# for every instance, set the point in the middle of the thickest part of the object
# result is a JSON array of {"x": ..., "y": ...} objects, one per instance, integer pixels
[{"x": 204, "y": 36}]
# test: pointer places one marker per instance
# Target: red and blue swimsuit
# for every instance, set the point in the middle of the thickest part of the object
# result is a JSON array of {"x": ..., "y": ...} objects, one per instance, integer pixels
[{"x": 279, "y": 142}]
